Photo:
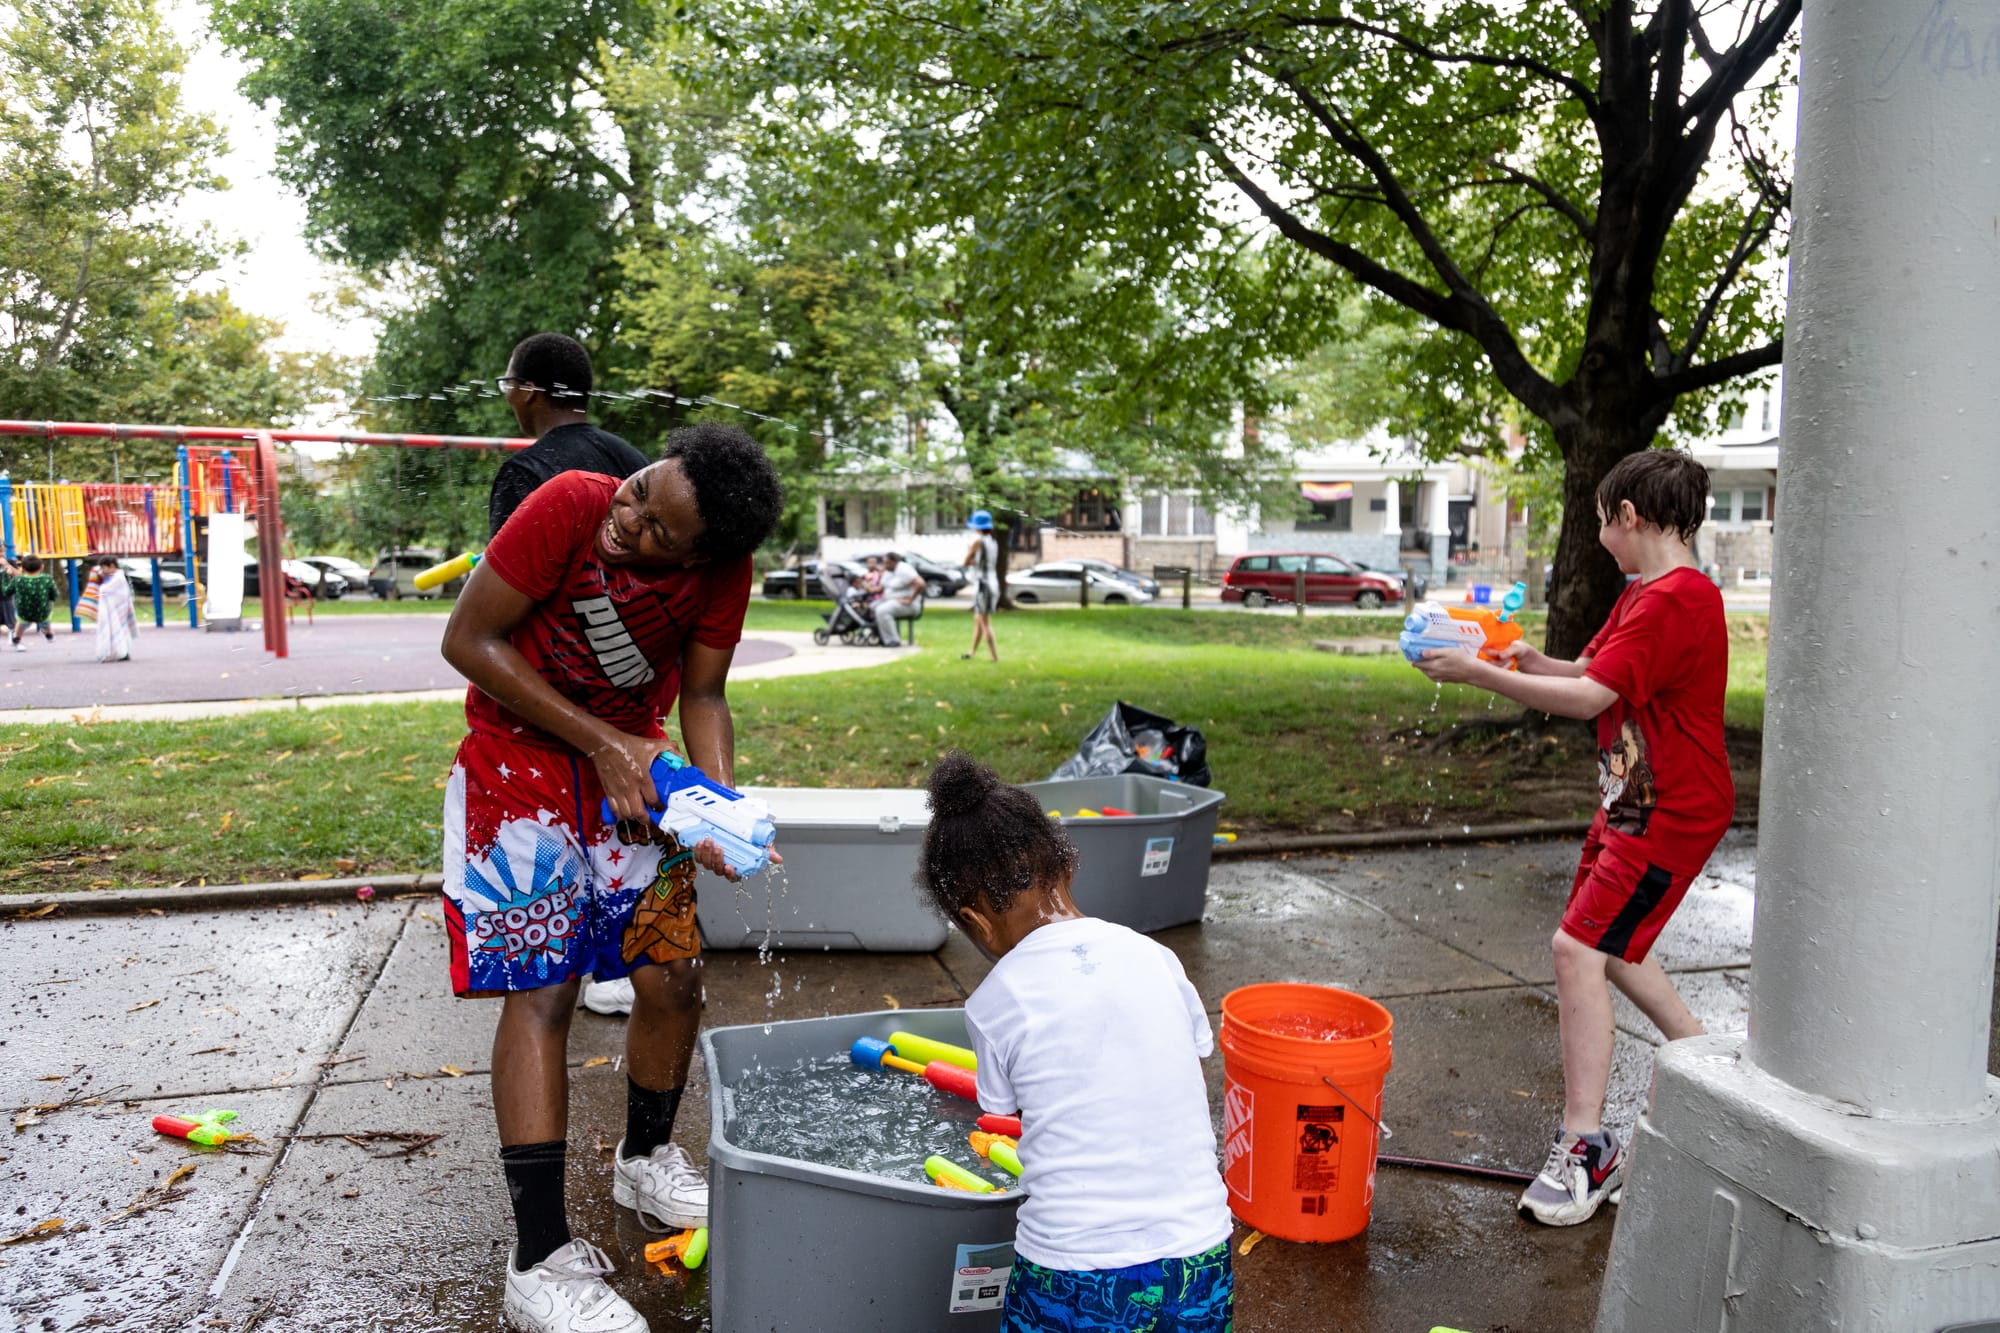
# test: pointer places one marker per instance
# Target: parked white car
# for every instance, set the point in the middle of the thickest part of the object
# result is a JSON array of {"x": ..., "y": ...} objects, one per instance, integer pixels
[{"x": 1063, "y": 581}]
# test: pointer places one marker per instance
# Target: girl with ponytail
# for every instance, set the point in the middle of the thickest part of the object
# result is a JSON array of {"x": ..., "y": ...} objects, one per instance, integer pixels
[{"x": 1091, "y": 1033}]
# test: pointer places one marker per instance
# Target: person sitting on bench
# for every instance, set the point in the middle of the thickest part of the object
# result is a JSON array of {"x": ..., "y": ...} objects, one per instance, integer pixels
[{"x": 902, "y": 599}]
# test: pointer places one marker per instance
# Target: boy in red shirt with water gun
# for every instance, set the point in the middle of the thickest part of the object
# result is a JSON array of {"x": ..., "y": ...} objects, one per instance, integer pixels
[{"x": 1654, "y": 679}]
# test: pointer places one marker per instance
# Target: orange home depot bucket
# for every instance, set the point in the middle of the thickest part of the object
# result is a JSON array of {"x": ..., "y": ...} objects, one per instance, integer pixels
[{"x": 1298, "y": 1154}]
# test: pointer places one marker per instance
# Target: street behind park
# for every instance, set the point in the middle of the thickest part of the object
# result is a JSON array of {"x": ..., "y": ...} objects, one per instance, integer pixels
[{"x": 330, "y": 1029}]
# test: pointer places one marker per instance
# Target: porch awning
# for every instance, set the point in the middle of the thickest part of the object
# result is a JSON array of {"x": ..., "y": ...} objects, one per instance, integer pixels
[{"x": 1326, "y": 492}]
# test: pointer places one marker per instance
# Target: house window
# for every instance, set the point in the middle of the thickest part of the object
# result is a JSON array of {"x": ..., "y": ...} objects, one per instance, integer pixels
[
  {"x": 1751, "y": 508},
  {"x": 1201, "y": 523},
  {"x": 1767, "y": 411},
  {"x": 1735, "y": 421},
  {"x": 1177, "y": 515},
  {"x": 836, "y": 518},
  {"x": 1095, "y": 510},
  {"x": 1753, "y": 578},
  {"x": 878, "y": 514},
  {"x": 1720, "y": 505},
  {"x": 1152, "y": 513},
  {"x": 1329, "y": 515}
]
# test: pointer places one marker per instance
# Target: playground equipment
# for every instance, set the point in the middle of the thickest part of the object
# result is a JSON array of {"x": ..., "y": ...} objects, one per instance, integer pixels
[{"x": 218, "y": 470}]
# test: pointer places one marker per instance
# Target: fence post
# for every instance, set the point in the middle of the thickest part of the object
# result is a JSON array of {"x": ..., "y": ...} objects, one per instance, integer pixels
[
  {"x": 1083, "y": 587},
  {"x": 1187, "y": 589},
  {"x": 1299, "y": 591}
]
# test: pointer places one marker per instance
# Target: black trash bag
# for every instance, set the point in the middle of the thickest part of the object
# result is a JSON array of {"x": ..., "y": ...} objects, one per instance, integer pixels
[{"x": 1132, "y": 740}]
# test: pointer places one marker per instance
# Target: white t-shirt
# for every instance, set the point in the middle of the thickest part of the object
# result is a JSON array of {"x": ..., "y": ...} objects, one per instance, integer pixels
[
  {"x": 902, "y": 583},
  {"x": 1093, "y": 1034}
]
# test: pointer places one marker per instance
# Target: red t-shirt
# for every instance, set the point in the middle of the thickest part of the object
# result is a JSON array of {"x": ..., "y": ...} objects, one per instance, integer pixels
[
  {"x": 608, "y": 637},
  {"x": 1661, "y": 765}
]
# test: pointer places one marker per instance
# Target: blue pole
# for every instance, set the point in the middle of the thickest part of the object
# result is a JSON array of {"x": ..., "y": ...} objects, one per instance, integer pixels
[
  {"x": 228, "y": 466},
  {"x": 6, "y": 516},
  {"x": 153, "y": 540},
  {"x": 187, "y": 539},
  {"x": 75, "y": 621}
]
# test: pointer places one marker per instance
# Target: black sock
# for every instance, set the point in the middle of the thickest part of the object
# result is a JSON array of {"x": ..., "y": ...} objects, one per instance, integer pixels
[
  {"x": 535, "y": 1184},
  {"x": 649, "y": 1118}
]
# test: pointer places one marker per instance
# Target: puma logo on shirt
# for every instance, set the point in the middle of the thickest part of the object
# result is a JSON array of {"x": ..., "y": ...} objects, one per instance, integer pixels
[{"x": 619, "y": 658}]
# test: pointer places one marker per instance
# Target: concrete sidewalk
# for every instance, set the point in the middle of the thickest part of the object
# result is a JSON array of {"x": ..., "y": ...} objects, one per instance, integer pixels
[{"x": 336, "y": 1021}]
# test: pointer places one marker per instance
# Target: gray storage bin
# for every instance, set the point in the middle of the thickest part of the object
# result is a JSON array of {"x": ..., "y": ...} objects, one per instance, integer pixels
[
  {"x": 848, "y": 881},
  {"x": 795, "y": 1245},
  {"x": 1149, "y": 870}
]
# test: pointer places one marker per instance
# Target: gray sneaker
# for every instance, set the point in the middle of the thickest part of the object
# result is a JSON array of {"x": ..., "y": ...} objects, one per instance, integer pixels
[{"x": 1576, "y": 1179}]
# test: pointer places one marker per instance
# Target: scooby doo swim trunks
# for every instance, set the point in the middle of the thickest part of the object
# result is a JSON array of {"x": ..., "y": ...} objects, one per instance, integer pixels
[{"x": 539, "y": 889}]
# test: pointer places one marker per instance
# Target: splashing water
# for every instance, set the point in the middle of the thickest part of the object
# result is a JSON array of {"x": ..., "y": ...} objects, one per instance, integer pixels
[{"x": 833, "y": 1113}]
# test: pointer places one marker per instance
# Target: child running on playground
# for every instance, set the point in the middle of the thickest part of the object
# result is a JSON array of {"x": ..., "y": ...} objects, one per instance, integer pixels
[
  {"x": 599, "y": 604},
  {"x": 1653, "y": 678},
  {"x": 1091, "y": 1032}
]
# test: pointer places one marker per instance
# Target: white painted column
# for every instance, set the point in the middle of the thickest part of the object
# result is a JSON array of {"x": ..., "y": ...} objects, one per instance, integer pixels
[
  {"x": 1840, "y": 1167},
  {"x": 1392, "y": 518},
  {"x": 1438, "y": 528}
]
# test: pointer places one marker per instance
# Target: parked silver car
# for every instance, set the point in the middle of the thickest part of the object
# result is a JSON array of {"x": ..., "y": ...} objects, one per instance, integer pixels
[{"x": 1063, "y": 581}]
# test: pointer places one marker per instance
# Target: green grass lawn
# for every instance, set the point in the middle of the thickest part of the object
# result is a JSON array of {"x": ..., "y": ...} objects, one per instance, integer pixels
[{"x": 1300, "y": 740}]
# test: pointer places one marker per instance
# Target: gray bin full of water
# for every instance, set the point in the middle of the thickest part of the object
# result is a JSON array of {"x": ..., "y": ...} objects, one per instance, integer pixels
[
  {"x": 796, "y": 1245},
  {"x": 1148, "y": 870},
  {"x": 848, "y": 881}
]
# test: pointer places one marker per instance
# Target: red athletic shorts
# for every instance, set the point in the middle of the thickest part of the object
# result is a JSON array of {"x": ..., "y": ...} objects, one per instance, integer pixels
[
  {"x": 1620, "y": 902},
  {"x": 538, "y": 888}
]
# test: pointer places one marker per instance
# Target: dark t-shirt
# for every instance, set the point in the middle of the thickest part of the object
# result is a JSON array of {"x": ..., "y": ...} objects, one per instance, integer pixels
[
  {"x": 610, "y": 638},
  {"x": 578, "y": 448},
  {"x": 1661, "y": 766}
]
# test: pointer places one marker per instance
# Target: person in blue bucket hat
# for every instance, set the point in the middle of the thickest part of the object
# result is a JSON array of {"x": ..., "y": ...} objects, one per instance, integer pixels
[{"x": 982, "y": 569}]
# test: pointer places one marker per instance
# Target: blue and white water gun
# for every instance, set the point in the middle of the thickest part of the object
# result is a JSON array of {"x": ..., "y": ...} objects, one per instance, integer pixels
[{"x": 697, "y": 807}]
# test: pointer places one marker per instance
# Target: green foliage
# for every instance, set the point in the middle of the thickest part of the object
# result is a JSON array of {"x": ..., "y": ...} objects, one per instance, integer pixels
[
  {"x": 100, "y": 320},
  {"x": 1534, "y": 186}
]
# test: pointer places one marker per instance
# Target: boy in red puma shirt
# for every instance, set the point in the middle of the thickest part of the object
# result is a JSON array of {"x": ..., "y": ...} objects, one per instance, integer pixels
[
  {"x": 1654, "y": 678},
  {"x": 599, "y": 605}
]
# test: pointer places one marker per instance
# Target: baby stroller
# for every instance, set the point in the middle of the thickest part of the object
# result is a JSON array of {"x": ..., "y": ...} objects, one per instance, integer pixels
[{"x": 849, "y": 621}]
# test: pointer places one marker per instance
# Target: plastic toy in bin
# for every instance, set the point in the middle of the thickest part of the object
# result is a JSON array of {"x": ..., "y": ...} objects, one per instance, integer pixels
[
  {"x": 874, "y": 1053},
  {"x": 948, "y": 1174},
  {"x": 1469, "y": 629},
  {"x": 698, "y": 808}
]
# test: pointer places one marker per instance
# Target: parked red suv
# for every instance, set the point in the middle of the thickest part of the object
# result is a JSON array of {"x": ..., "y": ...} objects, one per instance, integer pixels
[{"x": 1272, "y": 576}]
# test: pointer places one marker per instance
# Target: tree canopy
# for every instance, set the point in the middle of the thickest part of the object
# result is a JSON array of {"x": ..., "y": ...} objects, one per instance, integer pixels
[
  {"x": 1538, "y": 187},
  {"x": 102, "y": 316}
]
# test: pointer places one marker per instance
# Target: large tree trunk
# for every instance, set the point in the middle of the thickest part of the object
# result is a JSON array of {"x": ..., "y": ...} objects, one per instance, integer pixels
[{"x": 1587, "y": 580}]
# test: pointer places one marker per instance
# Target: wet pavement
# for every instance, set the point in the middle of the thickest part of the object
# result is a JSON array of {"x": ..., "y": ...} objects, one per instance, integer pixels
[
  {"x": 335, "y": 655},
  {"x": 337, "y": 1022}
]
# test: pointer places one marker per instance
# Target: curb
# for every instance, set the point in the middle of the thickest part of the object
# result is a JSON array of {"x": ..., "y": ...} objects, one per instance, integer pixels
[
  {"x": 283, "y": 893},
  {"x": 287, "y": 893},
  {"x": 1275, "y": 844}
]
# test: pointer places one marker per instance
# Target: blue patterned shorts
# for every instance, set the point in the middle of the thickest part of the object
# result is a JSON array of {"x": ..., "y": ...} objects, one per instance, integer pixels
[{"x": 1192, "y": 1295}]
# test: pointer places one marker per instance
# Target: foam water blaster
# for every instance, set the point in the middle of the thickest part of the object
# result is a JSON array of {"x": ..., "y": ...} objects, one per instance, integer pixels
[
  {"x": 696, "y": 808},
  {"x": 874, "y": 1053}
]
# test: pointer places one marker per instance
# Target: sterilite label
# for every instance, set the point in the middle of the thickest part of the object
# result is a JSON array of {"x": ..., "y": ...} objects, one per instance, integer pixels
[
  {"x": 979, "y": 1277},
  {"x": 1159, "y": 856},
  {"x": 1316, "y": 1159}
]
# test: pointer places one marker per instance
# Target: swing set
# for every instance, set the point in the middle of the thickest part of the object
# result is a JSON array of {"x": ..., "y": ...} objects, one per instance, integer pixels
[{"x": 217, "y": 470}]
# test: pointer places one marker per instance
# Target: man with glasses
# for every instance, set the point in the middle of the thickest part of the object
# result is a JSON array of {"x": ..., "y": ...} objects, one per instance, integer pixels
[{"x": 548, "y": 385}]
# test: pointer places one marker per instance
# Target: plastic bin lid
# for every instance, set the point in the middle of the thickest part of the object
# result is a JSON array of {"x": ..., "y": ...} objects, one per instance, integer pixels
[{"x": 841, "y": 807}]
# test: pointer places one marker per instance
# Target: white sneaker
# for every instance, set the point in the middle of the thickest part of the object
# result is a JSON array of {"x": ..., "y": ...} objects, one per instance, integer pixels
[
  {"x": 608, "y": 997},
  {"x": 566, "y": 1293},
  {"x": 665, "y": 1189}
]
